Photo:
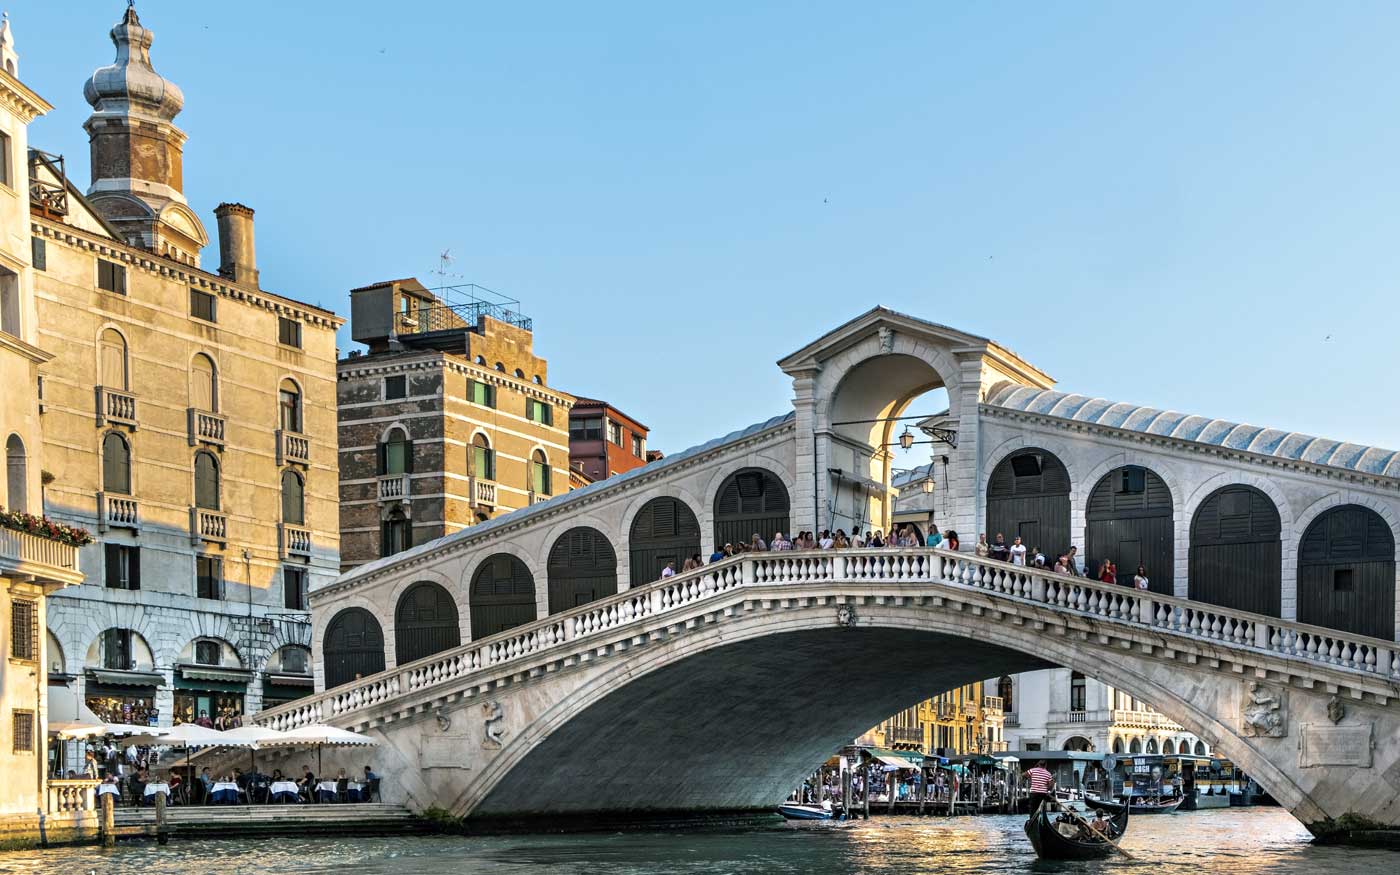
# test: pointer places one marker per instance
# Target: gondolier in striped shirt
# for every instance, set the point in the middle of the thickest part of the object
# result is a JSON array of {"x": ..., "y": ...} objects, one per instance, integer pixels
[{"x": 1042, "y": 785}]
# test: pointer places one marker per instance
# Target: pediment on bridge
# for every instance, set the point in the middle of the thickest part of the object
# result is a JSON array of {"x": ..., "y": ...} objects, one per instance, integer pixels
[{"x": 886, "y": 323}]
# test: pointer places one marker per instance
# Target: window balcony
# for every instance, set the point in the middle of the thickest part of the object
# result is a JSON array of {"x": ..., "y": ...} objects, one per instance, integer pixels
[
  {"x": 116, "y": 407},
  {"x": 208, "y": 525},
  {"x": 206, "y": 428},
  {"x": 1012, "y": 721},
  {"x": 295, "y": 541},
  {"x": 293, "y": 448},
  {"x": 482, "y": 492},
  {"x": 992, "y": 703},
  {"x": 23, "y": 555},
  {"x": 395, "y": 487},
  {"x": 1144, "y": 720},
  {"x": 537, "y": 497},
  {"x": 117, "y": 512}
]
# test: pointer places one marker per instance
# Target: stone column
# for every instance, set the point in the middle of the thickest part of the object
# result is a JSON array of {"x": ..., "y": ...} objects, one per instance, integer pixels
[{"x": 807, "y": 496}]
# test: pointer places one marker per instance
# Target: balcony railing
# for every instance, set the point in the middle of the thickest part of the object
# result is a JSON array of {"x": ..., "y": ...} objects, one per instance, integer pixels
[
  {"x": 1143, "y": 720},
  {"x": 115, "y": 407},
  {"x": 293, "y": 448},
  {"x": 72, "y": 795},
  {"x": 208, "y": 525},
  {"x": 206, "y": 428},
  {"x": 117, "y": 512},
  {"x": 455, "y": 317},
  {"x": 296, "y": 541},
  {"x": 483, "y": 492},
  {"x": 1076, "y": 717},
  {"x": 536, "y": 497},
  {"x": 395, "y": 487},
  {"x": 992, "y": 703},
  {"x": 1012, "y": 721},
  {"x": 47, "y": 560},
  {"x": 904, "y": 735}
]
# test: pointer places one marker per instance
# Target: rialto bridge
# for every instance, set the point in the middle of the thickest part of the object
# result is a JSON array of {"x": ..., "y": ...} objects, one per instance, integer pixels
[{"x": 534, "y": 665}]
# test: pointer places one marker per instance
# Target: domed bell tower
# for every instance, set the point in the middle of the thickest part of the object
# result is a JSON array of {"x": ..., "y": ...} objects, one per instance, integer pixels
[{"x": 137, "y": 152}]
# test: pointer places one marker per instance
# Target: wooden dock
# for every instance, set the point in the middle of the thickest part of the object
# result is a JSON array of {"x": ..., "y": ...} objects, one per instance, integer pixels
[{"x": 208, "y": 821}]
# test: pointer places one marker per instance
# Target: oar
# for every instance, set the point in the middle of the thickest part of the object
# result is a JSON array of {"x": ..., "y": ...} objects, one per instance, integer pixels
[{"x": 1089, "y": 826}]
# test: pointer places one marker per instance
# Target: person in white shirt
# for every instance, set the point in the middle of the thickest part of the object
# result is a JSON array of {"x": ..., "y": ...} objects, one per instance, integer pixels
[
  {"x": 668, "y": 571},
  {"x": 1018, "y": 553},
  {"x": 856, "y": 539},
  {"x": 826, "y": 542},
  {"x": 1140, "y": 579},
  {"x": 779, "y": 542}
]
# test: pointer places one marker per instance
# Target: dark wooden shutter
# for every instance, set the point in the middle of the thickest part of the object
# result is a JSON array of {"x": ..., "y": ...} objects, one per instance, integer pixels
[
  {"x": 113, "y": 557},
  {"x": 133, "y": 567}
]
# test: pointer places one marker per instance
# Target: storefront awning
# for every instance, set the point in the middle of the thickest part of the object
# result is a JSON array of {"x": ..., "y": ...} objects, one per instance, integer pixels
[
  {"x": 899, "y": 759},
  {"x": 209, "y": 673},
  {"x": 115, "y": 677},
  {"x": 289, "y": 680}
]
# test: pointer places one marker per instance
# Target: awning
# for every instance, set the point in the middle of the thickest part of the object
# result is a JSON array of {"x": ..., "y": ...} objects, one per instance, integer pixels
[
  {"x": 115, "y": 677},
  {"x": 899, "y": 759},
  {"x": 289, "y": 680},
  {"x": 223, "y": 675}
]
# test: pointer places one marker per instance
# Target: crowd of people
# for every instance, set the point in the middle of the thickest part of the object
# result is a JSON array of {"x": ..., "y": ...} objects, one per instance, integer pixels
[
  {"x": 1017, "y": 553},
  {"x": 905, "y": 536}
]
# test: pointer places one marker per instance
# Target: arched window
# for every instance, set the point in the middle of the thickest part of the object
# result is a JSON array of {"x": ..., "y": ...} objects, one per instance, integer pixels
[
  {"x": 519, "y": 373},
  {"x": 16, "y": 475},
  {"x": 116, "y": 464},
  {"x": 502, "y": 595},
  {"x": 395, "y": 533},
  {"x": 1236, "y": 553},
  {"x": 289, "y": 405},
  {"x": 1117, "y": 745},
  {"x": 206, "y": 481},
  {"x": 1078, "y": 691},
  {"x": 1346, "y": 572},
  {"x": 9, "y": 303},
  {"x": 1200, "y": 748},
  {"x": 582, "y": 567},
  {"x": 396, "y": 453},
  {"x": 1168, "y": 747},
  {"x": 354, "y": 647},
  {"x": 204, "y": 390},
  {"x": 500, "y": 367},
  {"x": 293, "y": 498},
  {"x": 539, "y": 473},
  {"x": 1135, "y": 746},
  {"x": 112, "y": 352},
  {"x": 664, "y": 532},
  {"x": 1129, "y": 522},
  {"x": 425, "y": 622},
  {"x": 483, "y": 458},
  {"x": 538, "y": 381},
  {"x": 1006, "y": 690},
  {"x": 481, "y": 360},
  {"x": 1151, "y": 745},
  {"x": 751, "y": 501},
  {"x": 1028, "y": 498}
]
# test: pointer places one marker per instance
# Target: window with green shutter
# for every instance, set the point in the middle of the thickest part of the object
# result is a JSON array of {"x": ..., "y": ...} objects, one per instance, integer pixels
[
  {"x": 481, "y": 393},
  {"x": 539, "y": 411}
]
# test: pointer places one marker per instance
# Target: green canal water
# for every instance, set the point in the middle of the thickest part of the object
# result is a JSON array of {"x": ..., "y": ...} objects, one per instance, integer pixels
[{"x": 1238, "y": 841}]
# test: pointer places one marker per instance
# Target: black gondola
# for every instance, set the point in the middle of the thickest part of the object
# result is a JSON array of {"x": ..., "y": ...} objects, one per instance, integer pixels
[
  {"x": 1051, "y": 844},
  {"x": 1140, "y": 805}
]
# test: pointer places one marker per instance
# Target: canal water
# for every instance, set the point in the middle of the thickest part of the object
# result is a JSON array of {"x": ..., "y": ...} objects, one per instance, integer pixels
[{"x": 1241, "y": 841}]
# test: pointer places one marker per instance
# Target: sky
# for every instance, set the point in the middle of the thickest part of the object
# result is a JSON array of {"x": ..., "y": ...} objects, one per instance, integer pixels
[{"x": 1190, "y": 205}]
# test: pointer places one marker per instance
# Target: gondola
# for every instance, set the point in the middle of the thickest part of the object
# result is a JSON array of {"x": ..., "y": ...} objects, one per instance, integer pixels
[
  {"x": 1140, "y": 805},
  {"x": 1050, "y": 844}
]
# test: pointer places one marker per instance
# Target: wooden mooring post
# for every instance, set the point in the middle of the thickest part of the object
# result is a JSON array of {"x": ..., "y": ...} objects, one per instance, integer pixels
[
  {"x": 162, "y": 827},
  {"x": 845, "y": 792},
  {"x": 865, "y": 788},
  {"x": 109, "y": 821}
]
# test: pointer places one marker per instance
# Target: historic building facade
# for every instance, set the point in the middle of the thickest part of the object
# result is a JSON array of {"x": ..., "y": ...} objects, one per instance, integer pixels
[
  {"x": 603, "y": 440},
  {"x": 34, "y": 561},
  {"x": 446, "y": 421},
  {"x": 1061, "y": 709},
  {"x": 188, "y": 420},
  {"x": 963, "y": 720}
]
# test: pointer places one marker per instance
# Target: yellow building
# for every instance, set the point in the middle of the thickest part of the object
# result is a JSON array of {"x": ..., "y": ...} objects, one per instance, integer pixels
[
  {"x": 35, "y": 561},
  {"x": 960, "y": 721},
  {"x": 188, "y": 419}
]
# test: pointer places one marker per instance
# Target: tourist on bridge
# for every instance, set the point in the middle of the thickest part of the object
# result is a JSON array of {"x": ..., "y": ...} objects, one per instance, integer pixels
[
  {"x": 856, "y": 539},
  {"x": 669, "y": 570},
  {"x": 1108, "y": 573},
  {"x": 935, "y": 538},
  {"x": 1000, "y": 551},
  {"x": 779, "y": 543},
  {"x": 1037, "y": 557},
  {"x": 841, "y": 542},
  {"x": 757, "y": 544},
  {"x": 692, "y": 562},
  {"x": 1140, "y": 579},
  {"x": 1018, "y": 553},
  {"x": 983, "y": 550},
  {"x": 1072, "y": 563}
]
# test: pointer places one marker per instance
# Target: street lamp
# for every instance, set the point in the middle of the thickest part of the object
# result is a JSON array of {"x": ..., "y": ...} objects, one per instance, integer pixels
[
  {"x": 906, "y": 440},
  {"x": 928, "y": 486}
]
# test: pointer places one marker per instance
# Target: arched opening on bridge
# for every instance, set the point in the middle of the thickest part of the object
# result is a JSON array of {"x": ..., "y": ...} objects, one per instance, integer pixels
[
  {"x": 1129, "y": 522},
  {"x": 425, "y": 622},
  {"x": 664, "y": 532},
  {"x": 1028, "y": 497},
  {"x": 502, "y": 595},
  {"x": 1078, "y": 742},
  {"x": 354, "y": 647},
  {"x": 1346, "y": 572},
  {"x": 1236, "y": 558},
  {"x": 877, "y": 401},
  {"x": 582, "y": 567},
  {"x": 750, "y": 501}
]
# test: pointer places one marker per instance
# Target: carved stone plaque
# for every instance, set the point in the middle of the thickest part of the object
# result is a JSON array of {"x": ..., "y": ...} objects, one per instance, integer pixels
[
  {"x": 1262, "y": 711},
  {"x": 1320, "y": 745},
  {"x": 443, "y": 752}
]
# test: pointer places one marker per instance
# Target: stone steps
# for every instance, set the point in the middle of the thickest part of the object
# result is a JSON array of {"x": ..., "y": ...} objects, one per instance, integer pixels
[{"x": 366, "y": 818}]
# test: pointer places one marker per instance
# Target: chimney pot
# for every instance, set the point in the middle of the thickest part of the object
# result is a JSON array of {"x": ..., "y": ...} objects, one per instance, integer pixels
[{"x": 237, "y": 257}]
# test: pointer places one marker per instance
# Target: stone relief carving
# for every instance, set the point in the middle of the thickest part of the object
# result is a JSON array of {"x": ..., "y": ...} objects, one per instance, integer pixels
[
  {"x": 886, "y": 339},
  {"x": 1262, "y": 713},
  {"x": 1336, "y": 710},
  {"x": 444, "y": 722},
  {"x": 495, "y": 716},
  {"x": 845, "y": 615}
]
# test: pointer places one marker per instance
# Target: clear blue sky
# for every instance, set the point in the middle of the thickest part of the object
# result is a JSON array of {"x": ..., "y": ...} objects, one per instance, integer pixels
[{"x": 1170, "y": 205}]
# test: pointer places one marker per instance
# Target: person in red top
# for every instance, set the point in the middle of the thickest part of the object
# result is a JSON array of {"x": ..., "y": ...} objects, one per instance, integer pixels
[{"x": 1042, "y": 785}]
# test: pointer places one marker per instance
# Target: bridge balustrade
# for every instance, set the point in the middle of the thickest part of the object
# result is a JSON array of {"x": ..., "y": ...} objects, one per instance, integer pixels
[{"x": 1064, "y": 593}]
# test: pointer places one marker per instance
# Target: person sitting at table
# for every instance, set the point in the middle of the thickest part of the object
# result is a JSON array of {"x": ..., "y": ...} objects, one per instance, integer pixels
[
  {"x": 136, "y": 785},
  {"x": 174, "y": 781},
  {"x": 371, "y": 783},
  {"x": 206, "y": 783},
  {"x": 308, "y": 784}
]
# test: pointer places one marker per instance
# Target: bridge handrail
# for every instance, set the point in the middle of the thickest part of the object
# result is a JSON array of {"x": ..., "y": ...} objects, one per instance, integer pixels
[{"x": 1284, "y": 638}]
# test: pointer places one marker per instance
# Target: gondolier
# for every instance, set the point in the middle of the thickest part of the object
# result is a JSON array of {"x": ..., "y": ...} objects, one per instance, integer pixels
[{"x": 1042, "y": 785}]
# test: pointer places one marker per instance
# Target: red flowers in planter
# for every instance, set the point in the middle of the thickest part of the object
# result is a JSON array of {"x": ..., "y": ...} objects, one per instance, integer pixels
[{"x": 44, "y": 528}]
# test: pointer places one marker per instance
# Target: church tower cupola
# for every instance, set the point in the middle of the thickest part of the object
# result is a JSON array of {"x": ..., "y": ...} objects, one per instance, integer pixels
[{"x": 137, "y": 152}]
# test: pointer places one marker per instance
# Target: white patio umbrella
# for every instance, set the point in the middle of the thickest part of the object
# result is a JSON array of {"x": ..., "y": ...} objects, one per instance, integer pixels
[
  {"x": 257, "y": 738},
  {"x": 186, "y": 735},
  {"x": 77, "y": 729},
  {"x": 321, "y": 735}
]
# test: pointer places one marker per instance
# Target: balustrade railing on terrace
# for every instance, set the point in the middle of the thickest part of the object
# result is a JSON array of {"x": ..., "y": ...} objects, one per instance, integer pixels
[
  {"x": 18, "y": 547},
  {"x": 71, "y": 795},
  {"x": 912, "y": 566}
]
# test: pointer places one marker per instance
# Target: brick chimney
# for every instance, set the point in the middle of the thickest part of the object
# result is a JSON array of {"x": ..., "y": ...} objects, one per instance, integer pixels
[{"x": 237, "y": 259}]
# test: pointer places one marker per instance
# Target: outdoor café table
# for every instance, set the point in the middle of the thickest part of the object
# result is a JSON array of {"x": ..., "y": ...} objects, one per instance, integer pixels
[
  {"x": 113, "y": 789},
  {"x": 353, "y": 789},
  {"x": 154, "y": 788},
  {"x": 284, "y": 791},
  {"x": 326, "y": 791},
  {"x": 224, "y": 791}
]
